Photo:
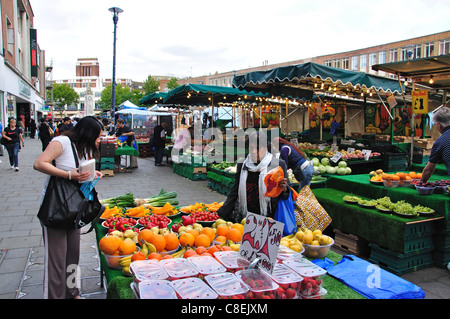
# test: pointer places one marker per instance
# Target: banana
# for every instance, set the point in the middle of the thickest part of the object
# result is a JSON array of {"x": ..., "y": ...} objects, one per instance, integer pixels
[
  {"x": 179, "y": 254},
  {"x": 144, "y": 250},
  {"x": 126, "y": 270},
  {"x": 151, "y": 248},
  {"x": 125, "y": 261}
]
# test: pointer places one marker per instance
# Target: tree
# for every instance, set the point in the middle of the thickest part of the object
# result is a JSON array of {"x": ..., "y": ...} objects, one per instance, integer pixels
[
  {"x": 63, "y": 95},
  {"x": 151, "y": 85},
  {"x": 172, "y": 84}
]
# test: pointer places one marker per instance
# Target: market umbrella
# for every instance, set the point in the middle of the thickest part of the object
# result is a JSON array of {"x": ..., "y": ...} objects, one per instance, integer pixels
[{"x": 153, "y": 98}]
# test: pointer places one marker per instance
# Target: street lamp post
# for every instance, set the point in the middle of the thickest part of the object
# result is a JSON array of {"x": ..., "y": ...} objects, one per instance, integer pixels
[{"x": 115, "y": 12}]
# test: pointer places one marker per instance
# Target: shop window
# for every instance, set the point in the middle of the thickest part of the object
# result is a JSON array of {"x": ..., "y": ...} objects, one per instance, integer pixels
[
  {"x": 345, "y": 64},
  {"x": 363, "y": 62},
  {"x": 355, "y": 64},
  {"x": 393, "y": 55}
]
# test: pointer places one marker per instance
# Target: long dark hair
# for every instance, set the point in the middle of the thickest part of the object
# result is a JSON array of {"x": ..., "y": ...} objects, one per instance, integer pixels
[
  {"x": 283, "y": 142},
  {"x": 84, "y": 134}
]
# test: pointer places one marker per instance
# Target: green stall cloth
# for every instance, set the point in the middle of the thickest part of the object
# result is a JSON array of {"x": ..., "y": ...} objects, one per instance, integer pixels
[
  {"x": 439, "y": 170},
  {"x": 385, "y": 230},
  {"x": 127, "y": 150},
  {"x": 357, "y": 185}
]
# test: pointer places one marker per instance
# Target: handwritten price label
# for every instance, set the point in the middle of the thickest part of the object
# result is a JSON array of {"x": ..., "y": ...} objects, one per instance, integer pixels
[{"x": 261, "y": 240}]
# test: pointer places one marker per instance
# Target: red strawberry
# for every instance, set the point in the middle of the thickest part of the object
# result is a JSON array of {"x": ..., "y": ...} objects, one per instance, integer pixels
[{"x": 290, "y": 293}]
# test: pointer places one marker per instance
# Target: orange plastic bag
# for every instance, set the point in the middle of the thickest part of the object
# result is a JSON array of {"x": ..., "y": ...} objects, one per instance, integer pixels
[{"x": 271, "y": 180}]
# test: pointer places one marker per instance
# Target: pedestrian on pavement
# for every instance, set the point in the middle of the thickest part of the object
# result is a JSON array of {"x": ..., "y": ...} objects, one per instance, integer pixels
[
  {"x": 440, "y": 152},
  {"x": 1, "y": 135},
  {"x": 62, "y": 246},
  {"x": 13, "y": 135},
  {"x": 159, "y": 142},
  {"x": 32, "y": 128},
  {"x": 44, "y": 133}
]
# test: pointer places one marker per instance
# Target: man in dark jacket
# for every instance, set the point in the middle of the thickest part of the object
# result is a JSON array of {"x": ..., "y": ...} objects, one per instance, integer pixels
[{"x": 159, "y": 142}]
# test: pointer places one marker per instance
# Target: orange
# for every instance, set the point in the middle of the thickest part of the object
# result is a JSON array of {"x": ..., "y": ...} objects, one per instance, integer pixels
[
  {"x": 206, "y": 254},
  {"x": 235, "y": 235},
  {"x": 168, "y": 256},
  {"x": 418, "y": 175},
  {"x": 172, "y": 241},
  {"x": 145, "y": 234},
  {"x": 194, "y": 232},
  {"x": 127, "y": 247},
  {"x": 226, "y": 248},
  {"x": 187, "y": 239},
  {"x": 221, "y": 239},
  {"x": 190, "y": 253},
  {"x": 109, "y": 244},
  {"x": 238, "y": 226},
  {"x": 395, "y": 177},
  {"x": 222, "y": 230},
  {"x": 154, "y": 256},
  {"x": 158, "y": 241},
  {"x": 202, "y": 240},
  {"x": 209, "y": 232},
  {"x": 138, "y": 256},
  {"x": 200, "y": 250},
  {"x": 413, "y": 175},
  {"x": 214, "y": 249}
]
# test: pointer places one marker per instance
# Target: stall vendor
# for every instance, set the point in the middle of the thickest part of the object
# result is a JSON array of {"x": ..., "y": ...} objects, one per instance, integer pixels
[
  {"x": 247, "y": 193},
  {"x": 440, "y": 152},
  {"x": 125, "y": 130}
]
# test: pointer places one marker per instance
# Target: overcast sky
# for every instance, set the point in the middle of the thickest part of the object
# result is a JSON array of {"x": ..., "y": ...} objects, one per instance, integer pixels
[{"x": 199, "y": 37}]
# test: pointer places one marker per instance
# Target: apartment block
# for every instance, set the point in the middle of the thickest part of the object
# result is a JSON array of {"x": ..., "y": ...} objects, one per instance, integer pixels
[{"x": 22, "y": 64}]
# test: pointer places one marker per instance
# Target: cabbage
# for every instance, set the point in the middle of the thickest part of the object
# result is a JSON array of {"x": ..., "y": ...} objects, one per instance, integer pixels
[
  {"x": 342, "y": 164},
  {"x": 348, "y": 170},
  {"x": 331, "y": 170},
  {"x": 342, "y": 171},
  {"x": 315, "y": 161},
  {"x": 325, "y": 161}
]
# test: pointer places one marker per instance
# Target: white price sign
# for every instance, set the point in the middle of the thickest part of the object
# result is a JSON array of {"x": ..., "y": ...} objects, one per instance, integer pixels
[
  {"x": 366, "y": 154},
  {"x": 261, "y": 240},
  {"x": 350, "y": 150},
  {"x": 336, "y": 157}
]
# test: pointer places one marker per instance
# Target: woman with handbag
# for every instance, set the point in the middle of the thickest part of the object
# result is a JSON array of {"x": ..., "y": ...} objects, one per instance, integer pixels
[
  {"x": 45, "y": 133},
  {"x": 62, "y": 246},
  {"x": 11, "y": 137},
  {"x": 249, "y": 189}
]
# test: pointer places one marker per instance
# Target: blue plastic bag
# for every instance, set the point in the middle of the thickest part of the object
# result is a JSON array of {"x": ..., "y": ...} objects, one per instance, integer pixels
[
  {"x": 86, "y": 188},
  {"x": 285, "y": 214}
]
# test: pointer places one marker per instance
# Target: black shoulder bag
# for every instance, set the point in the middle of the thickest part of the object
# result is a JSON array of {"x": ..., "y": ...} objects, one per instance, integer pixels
[{"x": 65, "y": 206}]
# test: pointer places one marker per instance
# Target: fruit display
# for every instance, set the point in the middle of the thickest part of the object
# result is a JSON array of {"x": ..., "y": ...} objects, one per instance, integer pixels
[
  {"x": 292, "y": 243},
  {"x": 385, "y": 205},
  {"x": 312, "y": 274},
  {"x": 120, "y": 223},
  {"x": 111, "y": 212},
  {"x": 151, "y": 221},
  {"x": 428, "y": 188},
  {"x": 288, "y": 281},
  {"x": 315, "y": 243},
  {"x": 260, "y": 284},
  {"x": 324, "y": 167},
  {"x": 376, "y": 176},
  {"x": 115, "y": 248},
  {"x": 227, "y": 286},
  {"x": 154, "y": 289},
  {"x": 137, "y": 212}
]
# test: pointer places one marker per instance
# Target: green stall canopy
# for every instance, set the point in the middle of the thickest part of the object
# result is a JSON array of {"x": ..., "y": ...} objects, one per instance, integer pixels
[{"x": 298, "y": 81}]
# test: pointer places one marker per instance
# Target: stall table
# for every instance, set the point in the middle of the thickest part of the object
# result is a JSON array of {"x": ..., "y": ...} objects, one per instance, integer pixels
[{"x": 126, "y": 151}]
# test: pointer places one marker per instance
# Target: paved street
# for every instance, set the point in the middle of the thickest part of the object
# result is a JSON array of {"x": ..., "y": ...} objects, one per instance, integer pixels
[{"x": 21, "y": 245}]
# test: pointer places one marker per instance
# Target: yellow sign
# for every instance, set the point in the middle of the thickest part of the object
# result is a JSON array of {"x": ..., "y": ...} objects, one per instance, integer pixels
[{"x": 420, "y": 101}]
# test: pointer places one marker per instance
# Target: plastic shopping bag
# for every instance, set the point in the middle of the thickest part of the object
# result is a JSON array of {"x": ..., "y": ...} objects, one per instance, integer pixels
[
  {"x": 271, "y": 180},
  {"x": 285, "y": 214}
]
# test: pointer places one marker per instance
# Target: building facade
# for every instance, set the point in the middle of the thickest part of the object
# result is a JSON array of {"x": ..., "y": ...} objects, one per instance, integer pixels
[
  {"x": 22, "y": 64},
  {"x": 357, "y": 60}
]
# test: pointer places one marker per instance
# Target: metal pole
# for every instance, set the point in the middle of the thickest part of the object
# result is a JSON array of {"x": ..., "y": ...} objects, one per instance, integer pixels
[{"x": 115, "y": 12}]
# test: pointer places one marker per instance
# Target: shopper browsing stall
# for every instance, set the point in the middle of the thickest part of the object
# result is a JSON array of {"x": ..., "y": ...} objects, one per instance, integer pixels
[
  {"x": 296, "y": 160},
  {"x": 248, "y": 191},
  {"x": 440, "y": 152}
]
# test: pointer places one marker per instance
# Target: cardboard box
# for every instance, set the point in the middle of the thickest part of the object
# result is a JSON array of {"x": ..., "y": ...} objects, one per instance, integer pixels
[{"x": 424, "y": 143}]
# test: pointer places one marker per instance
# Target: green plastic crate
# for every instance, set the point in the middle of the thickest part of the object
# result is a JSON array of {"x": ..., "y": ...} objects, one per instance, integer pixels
[
  {"x": 400, "y": 264},
  {"x": 107, "y": 166},
  {"x": 106, "y": 160}
]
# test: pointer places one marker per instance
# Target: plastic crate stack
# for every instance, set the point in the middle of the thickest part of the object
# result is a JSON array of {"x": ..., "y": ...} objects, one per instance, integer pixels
[
  {"x": 107, "y": 156},
  {"x": 192, "y": 167},
  {"x": 441, "y": 253},
  {"x": 220, "y": 181},
  {"x": 417, "y": 252}
]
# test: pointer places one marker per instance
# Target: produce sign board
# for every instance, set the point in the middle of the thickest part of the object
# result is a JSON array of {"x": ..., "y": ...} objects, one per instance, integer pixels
[{"x": 261, "y": 240}]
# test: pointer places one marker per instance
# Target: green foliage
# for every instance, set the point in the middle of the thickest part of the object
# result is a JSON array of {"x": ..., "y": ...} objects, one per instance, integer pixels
[
  {"x": 151, "y": 85},
  {"x": 63, "y": 94},
  {"x": 122, "y": 94},
  {"x": 172, "y": 84}
]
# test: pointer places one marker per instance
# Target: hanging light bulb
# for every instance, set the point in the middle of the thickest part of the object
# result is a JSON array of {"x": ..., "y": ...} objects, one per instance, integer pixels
[{"x": 431, "y": 81}]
